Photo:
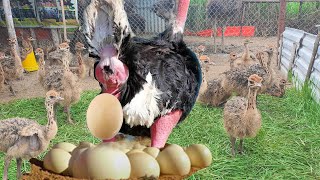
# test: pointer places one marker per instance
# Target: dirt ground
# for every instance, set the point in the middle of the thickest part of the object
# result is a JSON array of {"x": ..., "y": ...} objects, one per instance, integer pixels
[{"x": 29, "y": 87}]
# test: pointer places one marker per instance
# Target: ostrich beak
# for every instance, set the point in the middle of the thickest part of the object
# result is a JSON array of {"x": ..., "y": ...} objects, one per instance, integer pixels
[
  {"x": 258, "y": 84},
  {"x": 60, "y": 98}
]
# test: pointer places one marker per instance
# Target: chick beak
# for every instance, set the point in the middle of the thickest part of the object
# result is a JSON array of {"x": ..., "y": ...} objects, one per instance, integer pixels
[
  {"x": 60, "y": 98},
  {"x": 258, "y": 84}
]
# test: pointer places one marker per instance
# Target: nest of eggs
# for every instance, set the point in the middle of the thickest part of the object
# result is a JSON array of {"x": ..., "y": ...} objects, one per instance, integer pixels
[{"x": 136, "y": 159}]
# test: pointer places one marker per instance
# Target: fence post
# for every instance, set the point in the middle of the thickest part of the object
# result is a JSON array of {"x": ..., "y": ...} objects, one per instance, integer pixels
[
  {"x": 65, "y": 38},
  {"x": 9, "y": 22},
  {"x": 314, "y": 54},
  {"x": 281, "y": 24}
]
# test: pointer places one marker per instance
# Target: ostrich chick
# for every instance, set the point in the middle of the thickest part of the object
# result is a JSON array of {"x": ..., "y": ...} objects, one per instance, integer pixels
[
  {"x": 245, "y": 60},
  {"x": 277, "y": 90},
  {"x": 24, "y": 138},
  {"x": 81, "y": 69},
  {"x": 241, "y": 117},
  {"x": 41, "y": 72}
]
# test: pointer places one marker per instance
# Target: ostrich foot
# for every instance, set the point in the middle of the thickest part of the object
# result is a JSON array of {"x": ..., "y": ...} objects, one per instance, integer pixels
[
  {"x": 240, "y": 150},
  {"x": 233, "y": 142},
  {"x": 67, "y": 110},
  {"x": 162, "y": 128}
]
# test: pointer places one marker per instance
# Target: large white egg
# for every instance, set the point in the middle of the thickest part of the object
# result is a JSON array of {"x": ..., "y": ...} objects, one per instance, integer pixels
[
  {"x": 57, "y": 161},
  {"x": 104, "y": 116},
  {"x": 143, "y": 165},
  {"x": 107, "y": 162},
  {"x": 64, "y": 146},
  {"x": 174, "y": 161},
  {"x": 200, "y": 156}
]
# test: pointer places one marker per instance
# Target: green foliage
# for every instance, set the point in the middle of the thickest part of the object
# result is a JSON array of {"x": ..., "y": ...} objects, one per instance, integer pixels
[{"x": 287, "y": 146}]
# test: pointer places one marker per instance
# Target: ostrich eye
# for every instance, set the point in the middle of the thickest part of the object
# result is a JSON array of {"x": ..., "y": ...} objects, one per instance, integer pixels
[{"x": 51, "y": 97}]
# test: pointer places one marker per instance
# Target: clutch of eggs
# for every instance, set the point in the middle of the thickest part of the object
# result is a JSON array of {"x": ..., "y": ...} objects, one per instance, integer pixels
[{"x": 102, "y": 161}]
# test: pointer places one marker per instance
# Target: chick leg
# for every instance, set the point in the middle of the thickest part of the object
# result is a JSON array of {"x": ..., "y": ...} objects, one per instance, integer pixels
[
  {"x": 19, "y": 162},
  {"x": 10, "y": 88},
  {"x": 233, "y": 142},
  {"x": 67, "y": 110},
  {"x": 162, "y": 128},
  {"x": 6, "y": 167},
  {"x": 241, "y": 146}
]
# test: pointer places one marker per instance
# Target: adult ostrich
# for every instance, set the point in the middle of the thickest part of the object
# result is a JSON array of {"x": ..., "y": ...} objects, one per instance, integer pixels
[
  {"x": 156, "y": 80},
  {"x": 220, "y": 13}
]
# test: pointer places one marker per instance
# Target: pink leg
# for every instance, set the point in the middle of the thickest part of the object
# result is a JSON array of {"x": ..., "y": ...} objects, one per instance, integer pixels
[
  {"x": 110, "y": 140},
  {"x": 162, "y": 128}
]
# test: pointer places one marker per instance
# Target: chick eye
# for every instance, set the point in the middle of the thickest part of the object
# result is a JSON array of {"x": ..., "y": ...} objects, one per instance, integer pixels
[{"x": 51, "y": 97}]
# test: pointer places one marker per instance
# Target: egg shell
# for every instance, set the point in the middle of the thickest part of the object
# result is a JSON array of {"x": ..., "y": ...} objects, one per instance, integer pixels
[
  {"x": 77, "y": 152},
  {"x": 174, "y": 161},
  {"x": 104, "y": 116},
  {"x": 135, "y": 151},
  {"x": 143, "y": 165},
  {"x": 154, "y": 152},
  {"x": 79, "y": 168},
  {"x": 105, "y": 162},
  {"x": 57, "y": 161},
  {"x": 64, "y": 146},
  {"x": 200, "y": 155}
]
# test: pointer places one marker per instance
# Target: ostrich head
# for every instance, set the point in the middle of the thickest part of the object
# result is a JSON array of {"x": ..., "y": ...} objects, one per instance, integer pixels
[
  {"x": 31, "y": 39},
  {"x": 39, "y": 52},
  {"x": 254, "y": 81},
  {"x": 79, "y": 46}
]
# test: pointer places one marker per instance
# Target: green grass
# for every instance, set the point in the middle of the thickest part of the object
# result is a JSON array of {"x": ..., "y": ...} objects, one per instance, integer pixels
[{"x": 287, "y": 146}]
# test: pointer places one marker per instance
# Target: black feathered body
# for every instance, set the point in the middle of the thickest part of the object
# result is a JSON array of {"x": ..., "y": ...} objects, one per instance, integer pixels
[{"x": 175, "y": 71}]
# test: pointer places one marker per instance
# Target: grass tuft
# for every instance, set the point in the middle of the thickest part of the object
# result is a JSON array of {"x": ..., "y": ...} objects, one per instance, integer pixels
[{"x": 287, "y": 146}]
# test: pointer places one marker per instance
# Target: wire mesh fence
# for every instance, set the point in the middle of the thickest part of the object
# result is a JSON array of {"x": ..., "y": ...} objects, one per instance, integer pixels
[{"x": 219, "y": 22}]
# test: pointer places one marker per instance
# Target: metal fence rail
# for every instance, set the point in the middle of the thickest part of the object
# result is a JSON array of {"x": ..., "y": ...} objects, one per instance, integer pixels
[{"x": 296, "y": 56}]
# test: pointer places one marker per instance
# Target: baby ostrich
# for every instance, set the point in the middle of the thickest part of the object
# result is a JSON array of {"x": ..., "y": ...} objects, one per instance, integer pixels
[
  {"x": 245, "y": 60},
  {"x": 17, "y": 60},
  {"x": 27, "y": 46},
  {"x": 277, "y": 90},
  {"x": 211, "y": 93},
  {"x": 41, "y": 72},
  {"x": 64, "y": 81},
  {"x": 241, "y": 117},
  {"x": 24, "y": 138},
  {"x": 81, "y": 69}
]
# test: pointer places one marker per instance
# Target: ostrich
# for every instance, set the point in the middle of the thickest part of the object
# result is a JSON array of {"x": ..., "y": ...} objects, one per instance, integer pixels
[
  {"x": 220, "y": 13},
  {"x": 241, "y": 117},
  {"x": 24, "y": 138}
]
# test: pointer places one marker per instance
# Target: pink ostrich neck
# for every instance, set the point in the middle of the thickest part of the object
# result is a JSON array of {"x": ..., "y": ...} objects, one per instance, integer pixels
[{"x": 182, "y": 13}]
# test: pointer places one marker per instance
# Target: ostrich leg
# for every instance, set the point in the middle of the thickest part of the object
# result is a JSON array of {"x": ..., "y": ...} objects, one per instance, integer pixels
[
  {"x": 6, "y": 167},
  {"x": 162, "y": 128},
  {"x": 19, "y": 163},
  {"x": 241, "y": 146},
  {"x": 233, "y": 142}
]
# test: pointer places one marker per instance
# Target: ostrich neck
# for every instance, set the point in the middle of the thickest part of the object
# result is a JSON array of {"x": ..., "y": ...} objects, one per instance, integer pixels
[
  {"x": 182, "y": 13},
  {"x": 65, "y": 61},
  {"x": 1, "y": 69},
  {"x": 41, "y": 61},
  {"x": 252, "y": 97},
  {"x": 79, "y": 57},
  {"x": 51, "y": 127}
]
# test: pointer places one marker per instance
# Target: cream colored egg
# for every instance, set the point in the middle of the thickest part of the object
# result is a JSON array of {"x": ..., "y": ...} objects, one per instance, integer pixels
[
  {"x": 79, "y": 167},
  {"x": 200, "y": 156},
  {"x": 174, "y": 161},
  {"x": 104, "y": 116},
  {"x": 64, "y": 146},
  {"x": 57, "y": 161},
  {"x": 105, "y": 162},
  {"x": 134, "y": 151},
  {"x": 77, "y": 152},
  {"x": 152, "y": 151},
  {"x": 143, "y": 165}
]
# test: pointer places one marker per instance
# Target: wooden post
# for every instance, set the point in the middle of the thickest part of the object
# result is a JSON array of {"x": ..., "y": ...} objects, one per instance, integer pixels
[
  {"x": 65, "y": 38},
  {"x": 313, "y": 56},
  {"x": 281, "y": 24},
  {"x": 9, "y": 22}
]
